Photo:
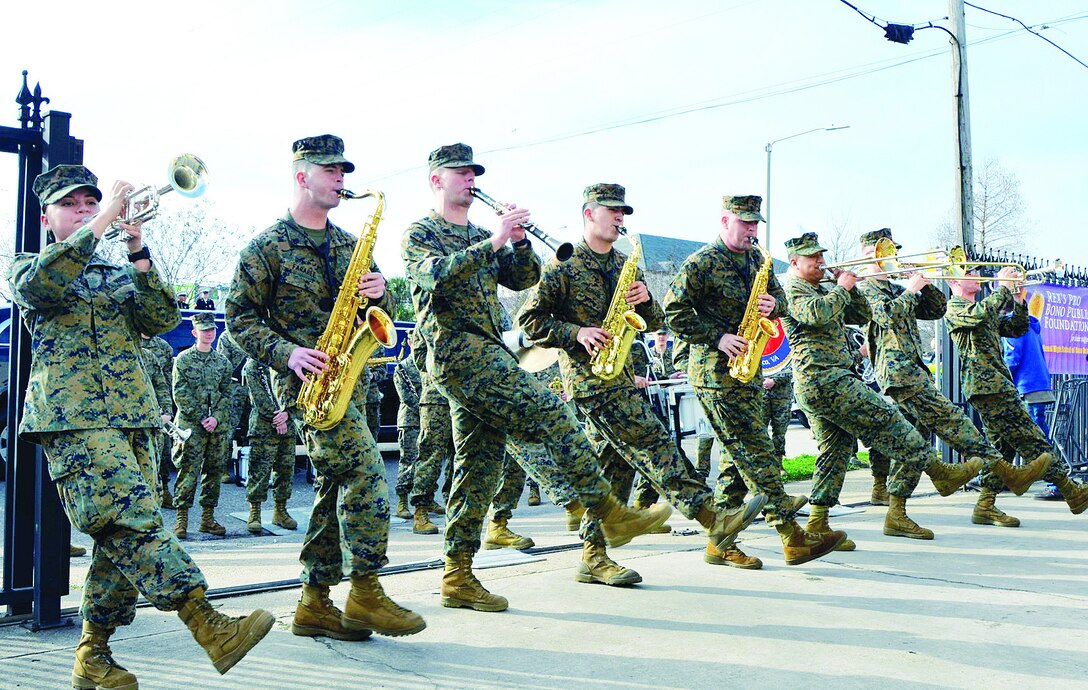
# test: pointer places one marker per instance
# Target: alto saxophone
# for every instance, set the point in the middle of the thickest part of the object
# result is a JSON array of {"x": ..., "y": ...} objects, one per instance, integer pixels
[
  {"x": 324, "y": 398},
  {"x": 621, "y": 322},
  {"x": 754, "y": 327}
]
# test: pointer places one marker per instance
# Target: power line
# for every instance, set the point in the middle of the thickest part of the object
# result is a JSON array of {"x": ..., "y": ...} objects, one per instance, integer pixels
[{"x": 1029, "y": 30}]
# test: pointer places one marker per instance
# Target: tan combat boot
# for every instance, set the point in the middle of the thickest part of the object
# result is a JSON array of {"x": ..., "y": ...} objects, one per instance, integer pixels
[
  {"x": 799, "y": 546},
  {"x": 596, "y": 566},
  {"x": 282, "y": 518},
  {"x": 317, "y": 616},
  {"x": 166, "y": 500},
  {"x": 1074, "y": 493},
  {"x": 575, "y": 510},
  {"x": 254, "y": 523},
  {"x": 986, "y": 513},
  {"x": 818, "y": 524},
  {"x": 461, "y": 589},
  {"x": 534, "y": 495},
  {"x": 722, "y": 528},
  {"x": 620, "y": 524},
  {"x": 368, "y": 608},
  {"x": 1019, "y": 479},
  {"x": 898, "y": 524},
  {"x": 225, "y": 639},
  {"x": 436, "y": 509},
  {"x": 95, "y": 668},
  {"x": 404, "y": 512},
  {"x": 731, "y": 556},
  {"x": 76, "y": 551},
  {"x": 499, "y": 536},
  {"x": 208, "y": 523},
  {"x": 947, "y": 478},
  {"x": 421, "y": 522},
  {"x": 181, "y": 524},
  {"x": 879, "y": 496}
]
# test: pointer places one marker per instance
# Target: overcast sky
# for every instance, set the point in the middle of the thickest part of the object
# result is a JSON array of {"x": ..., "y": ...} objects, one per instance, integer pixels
[{"x": 546, "y": 92}]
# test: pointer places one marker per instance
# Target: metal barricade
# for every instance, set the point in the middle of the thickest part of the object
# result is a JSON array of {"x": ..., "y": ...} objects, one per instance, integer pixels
[{"x": 1069, "y": 424}]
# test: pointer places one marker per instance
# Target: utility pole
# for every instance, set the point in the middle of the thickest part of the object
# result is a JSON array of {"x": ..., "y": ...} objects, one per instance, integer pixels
[{"x": 965, "y": 198}]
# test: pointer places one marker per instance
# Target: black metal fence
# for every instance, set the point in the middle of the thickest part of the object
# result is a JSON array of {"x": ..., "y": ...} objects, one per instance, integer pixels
[{"x": 1069, "y": 424}]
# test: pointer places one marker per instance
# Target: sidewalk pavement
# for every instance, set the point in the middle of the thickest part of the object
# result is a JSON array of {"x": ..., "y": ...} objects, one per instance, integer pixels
[{"x": 977, "y": 607}]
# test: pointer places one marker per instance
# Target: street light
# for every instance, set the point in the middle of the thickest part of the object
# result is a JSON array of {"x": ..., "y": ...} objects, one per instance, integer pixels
[{"x": 767, "y": 241}]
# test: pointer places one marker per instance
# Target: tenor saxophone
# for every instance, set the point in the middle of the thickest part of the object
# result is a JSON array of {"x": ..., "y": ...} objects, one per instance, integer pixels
[
  {"x": 754, "y": 327},
  {"x": 621, "y": 322},
  {"x": 324, "y": 398}
]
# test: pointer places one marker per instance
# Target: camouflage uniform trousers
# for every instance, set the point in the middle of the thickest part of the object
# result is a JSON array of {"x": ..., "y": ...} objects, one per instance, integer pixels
[
  {"x": 501, "y": 398},
  {"x": 408, "y": 441},
  {"x": 634, "y": 436},
  {"x": 162, "y": 443},
  {"x": 350, "y": 517},
  {"x": 702, "y": 455},
  {"x": 510, "y": 489},
  {"x": 374, "y": 417},
  {"x": 200, "y": 461},
  {"x": 542, "y": 469},
  {"x": 435, "y": 446},
  {"x": 1009, "y": 425},
  {"x": 271, "y": 455},
  {"x": 845, "y": 409},
  {"x": 777, "y": 411},
  {"x": 115, "y": 501},
  {"x": 934, "y": 411},
  {"x": 736, "y": 415}
]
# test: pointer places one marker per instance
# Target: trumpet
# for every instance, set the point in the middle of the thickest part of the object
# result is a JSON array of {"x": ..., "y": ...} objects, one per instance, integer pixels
[
  {"x": 177, "y": 433},
  {"x": 188, "y": 177},
  {"x": 563, "y": 250}
]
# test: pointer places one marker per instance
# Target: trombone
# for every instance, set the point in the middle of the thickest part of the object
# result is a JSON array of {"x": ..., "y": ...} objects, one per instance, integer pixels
[
  {"x": 188, "y": 177},
  {"x": 890, "y": 262}
]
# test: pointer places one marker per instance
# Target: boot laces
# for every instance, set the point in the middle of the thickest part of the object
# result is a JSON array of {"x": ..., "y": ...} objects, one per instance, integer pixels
[{"x": 374, "y": 586}]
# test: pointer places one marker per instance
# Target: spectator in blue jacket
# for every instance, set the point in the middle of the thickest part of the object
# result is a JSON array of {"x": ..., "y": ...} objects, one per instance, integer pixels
[{"x": 1027, "y": 362}]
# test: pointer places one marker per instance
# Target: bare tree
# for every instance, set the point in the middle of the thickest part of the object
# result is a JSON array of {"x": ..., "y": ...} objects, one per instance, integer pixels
[
  {"x": 998, "y": 211},
  {"x": 840, "y": 239}
]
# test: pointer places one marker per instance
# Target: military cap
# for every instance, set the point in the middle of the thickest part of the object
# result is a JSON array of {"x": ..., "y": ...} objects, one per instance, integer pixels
[
  {"x": 611, "y": 195},
  {"x": 663, "y": 331},
  {"x": 453, "y": 156},
  {"x": 805, "y": 245},
  {"x": 870, "y": 239},
  {"x": 746, "y": 207},
  {"x": 324, "y": 149},
  {"x": 203, "y": 321},
  {"x": 54, "y": 185}
]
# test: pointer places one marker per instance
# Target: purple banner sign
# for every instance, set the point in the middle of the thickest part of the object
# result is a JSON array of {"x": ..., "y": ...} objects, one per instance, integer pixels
[{"x": 1063, "y": 313}]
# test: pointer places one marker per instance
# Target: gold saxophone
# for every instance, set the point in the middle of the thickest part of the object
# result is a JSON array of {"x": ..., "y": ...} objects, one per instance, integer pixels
[
  {"x": 621, "y": 322},
  {"x": 754, "y": 327},
  {"x": 324, "y": 398}
]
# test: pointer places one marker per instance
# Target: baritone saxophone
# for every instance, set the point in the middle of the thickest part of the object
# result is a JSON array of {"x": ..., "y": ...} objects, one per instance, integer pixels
[{"x": 325, "y": 397}]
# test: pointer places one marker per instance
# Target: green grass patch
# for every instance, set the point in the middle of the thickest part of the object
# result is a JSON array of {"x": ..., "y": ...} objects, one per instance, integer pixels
[{"x": 801, "y": 467}]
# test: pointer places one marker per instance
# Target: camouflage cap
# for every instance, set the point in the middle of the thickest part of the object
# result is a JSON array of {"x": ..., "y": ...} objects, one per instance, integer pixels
[
  {"x": 746, "y": 207},
  {"x": 605, "y": 194},
  {"x": 203, "y": 321},
  {"x": 805, "y": 245},
  {"x": 870, "y": 239},
  {"x": 50, "y": 187},
  {"x": 324, "y": 149},
  {"x": 453, "y": 156}
]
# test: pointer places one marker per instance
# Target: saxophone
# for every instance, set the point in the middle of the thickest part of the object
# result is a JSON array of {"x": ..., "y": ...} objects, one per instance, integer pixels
[
  {"x": 754, "y": 327},
  {"x": 324, "y": 398},
  {"x": 621, "y": 322}
]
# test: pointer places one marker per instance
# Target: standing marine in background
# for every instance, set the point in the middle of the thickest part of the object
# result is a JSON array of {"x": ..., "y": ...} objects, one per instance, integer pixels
[
  {"x": 407, "y": 382},
  {"x": 435, "y": 443},
  {"x": 271, "y": 449},
  {"x": 778, "y": 400},
  {"x": 158, "y": 359},
  {"x": 239, "y": 396}
]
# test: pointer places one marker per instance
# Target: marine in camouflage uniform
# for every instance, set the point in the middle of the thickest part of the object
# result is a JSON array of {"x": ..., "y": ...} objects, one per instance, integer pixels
[
  {"x": 778, "y": 399},
  {"x": 976, "y": 326},
  {"x": 735, "y": 495},
  {"x": 705, "y": 306},
  {"x": 202, "y": 392},
  {"x": 158, "y": 359},
  {"x": 568, "y": 310},
  {"x": 840, "y": 407},
  {"x": 435, "y": 443},
  {"x": 377, "y": 375},
  {"x": 239, "y": 396},
  {"x": 896, "y": 350},
  {"x": 91, "y": 406},
  {"x": 271, "y": 449},
  {"x": 281, "y": 299},
  {"x": 455, "y": 268},
  {"x": 407, "y": 382}
]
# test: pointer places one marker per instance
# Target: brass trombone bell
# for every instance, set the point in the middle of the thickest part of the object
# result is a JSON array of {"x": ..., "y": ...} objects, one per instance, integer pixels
[{"x": 188, "y": 177}]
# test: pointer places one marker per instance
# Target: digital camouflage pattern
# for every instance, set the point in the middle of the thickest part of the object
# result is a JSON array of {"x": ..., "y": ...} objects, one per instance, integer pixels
[
  {"x": 1012, "y": 430},
  {"x": 435, "y": 431},
  {"x": 605, "y": 194},
  {"x": 778, "y": 403},
  {"x": 745, "y": 207},
  {"x": 158, "y": 359},
  {"x": 237, "y": 357},
  {"x": 323, "y": 149},
  {"x": 706, "y": 300},
  {"x": 271, "y": 455},
  {"x": 511, "y": 485},
  {"x": 280, "y": 299},
  {"x": 455, "y": 275},
  {"x": 61, "y": 180},
  {"x": 840, "y": 407},
  {"x": 202, "y": 389},
  {"x": 895, "y": 347},
  {"x": 453, "y": 156},
  {"x": 374, "y": 396},
  {"x": 662, "y": 362},
  {"x": 977, "y": 329},
  {"x": 407, "y": 383},
  {"x": 870, "y": 239},
  {"x": 805, "y": 245}
]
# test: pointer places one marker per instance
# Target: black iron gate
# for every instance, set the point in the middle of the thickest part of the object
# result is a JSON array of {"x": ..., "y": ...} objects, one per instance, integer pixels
[{"x": 36, "y": 531}]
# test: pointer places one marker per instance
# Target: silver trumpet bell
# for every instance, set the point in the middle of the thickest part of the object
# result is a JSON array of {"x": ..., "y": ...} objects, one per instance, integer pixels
[
  {"x": 188, "y": 177},
  {"x": 177, "y": 433}
]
